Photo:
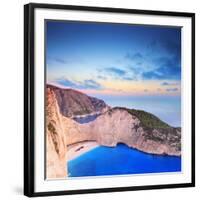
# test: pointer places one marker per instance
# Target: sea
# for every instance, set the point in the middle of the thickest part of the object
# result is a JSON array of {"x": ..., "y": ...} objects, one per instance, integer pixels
[{"x": 121, "y": 160}]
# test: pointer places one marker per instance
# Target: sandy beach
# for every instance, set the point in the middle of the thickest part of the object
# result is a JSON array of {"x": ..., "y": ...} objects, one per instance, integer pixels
[{"x": 80, "y": 148}]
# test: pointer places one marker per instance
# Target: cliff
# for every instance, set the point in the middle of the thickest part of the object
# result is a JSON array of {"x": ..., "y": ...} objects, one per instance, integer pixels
[
  {"x": 137, "y": 129},
  {"x": 55, "y": 139},
  {"x": 118, "y": 125},
  {"x": 72, "y": 102}
]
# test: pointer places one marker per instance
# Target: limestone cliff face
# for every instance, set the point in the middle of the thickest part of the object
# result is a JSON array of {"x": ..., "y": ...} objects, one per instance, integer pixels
[
  {"x": 55, "y": 139},
  {"x": 114, "y": 125},
  {"x": 119, "y": 126}
]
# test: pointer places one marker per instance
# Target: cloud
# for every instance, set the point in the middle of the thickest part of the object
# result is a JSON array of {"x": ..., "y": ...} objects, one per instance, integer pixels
[
  {"x": 145, "y": 90},
  {"x": 168, "y": 84},
  {"x": 102, "y": 77},
  {"x": 56, "y": 60},
  {"x": 167, "y": 46},
  {"x": 168, "y": 68},
  {"x": 115, "y": 71},
  {"x": 129, "y": 78},
  {"x": 165, "y": 83},
  {"x": 172, "y": 47},
  {"x": 152, "y": 75},
  {"x": 91, "y": 84},
  {"x": 67, "y": 83},
  {"x": 172, "y": 89},
  {"x": 162, "y": 63},
  {"x": 152, "y": 45},
  {"x": 139, "y": 63},
  {"x": 61, "y": 61},
  {"x": 135, "y": 69},
  {"x": 135, "y": 56},
  {"x": 166, "y": 57},
  {"x": 118, "y": 73},
  {"x": 86, "y": 84},
  {"x": 151, "y": 67}
]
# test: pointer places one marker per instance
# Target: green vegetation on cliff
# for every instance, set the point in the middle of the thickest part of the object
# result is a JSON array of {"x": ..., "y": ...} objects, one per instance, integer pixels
[
  {"x": 148, "y": 120},
  {"x": 54, "y": 135}
]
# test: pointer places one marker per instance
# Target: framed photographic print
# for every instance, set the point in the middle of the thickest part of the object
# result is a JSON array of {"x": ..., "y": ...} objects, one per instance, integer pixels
[{"x": 108, "y": 99}]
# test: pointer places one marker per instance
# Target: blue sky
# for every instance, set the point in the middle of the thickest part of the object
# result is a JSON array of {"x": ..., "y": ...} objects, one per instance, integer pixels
[
  {"x": 114, "y": 58},
  {"x": 118, "y": 61}
]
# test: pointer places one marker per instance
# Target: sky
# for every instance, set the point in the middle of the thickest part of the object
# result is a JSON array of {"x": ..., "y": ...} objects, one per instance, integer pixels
[
  {"x": 114, "y": 60},
  {"x": 117, "y": 59}
]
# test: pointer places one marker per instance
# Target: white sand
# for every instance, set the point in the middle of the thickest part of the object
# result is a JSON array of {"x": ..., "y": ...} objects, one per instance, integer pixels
[{"x": 80, "y": 148}]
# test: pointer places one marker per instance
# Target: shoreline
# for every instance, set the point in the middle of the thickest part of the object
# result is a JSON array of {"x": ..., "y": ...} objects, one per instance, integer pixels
[{"x": 78, "y": 149}]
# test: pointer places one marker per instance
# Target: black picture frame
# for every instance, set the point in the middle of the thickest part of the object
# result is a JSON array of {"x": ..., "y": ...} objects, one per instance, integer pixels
[{"x": 29, "y": 98}]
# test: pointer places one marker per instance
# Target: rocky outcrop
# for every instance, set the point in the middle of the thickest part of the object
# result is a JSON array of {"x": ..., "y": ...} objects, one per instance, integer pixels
[
  {"x": 72, "y": 103},
  {"x": 137, "y": 129}
]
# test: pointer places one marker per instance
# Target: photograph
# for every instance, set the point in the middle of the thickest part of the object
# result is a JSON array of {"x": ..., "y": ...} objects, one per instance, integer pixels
[{"x": 112, "y": 99}]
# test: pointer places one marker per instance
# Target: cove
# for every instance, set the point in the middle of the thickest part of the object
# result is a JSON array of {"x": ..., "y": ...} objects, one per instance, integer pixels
[
  {"x": 86, "y": 119},
  {"x": 121, "y": 160}
]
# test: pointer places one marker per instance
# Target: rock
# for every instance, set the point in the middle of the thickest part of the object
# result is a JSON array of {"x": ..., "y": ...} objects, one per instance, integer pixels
[
  {"x": 55, "y": 139},
  {"x": 72, "y": 103}
]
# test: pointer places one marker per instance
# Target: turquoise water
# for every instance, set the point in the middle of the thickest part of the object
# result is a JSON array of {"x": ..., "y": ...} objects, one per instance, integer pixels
[{"x": 121, "y": 160}]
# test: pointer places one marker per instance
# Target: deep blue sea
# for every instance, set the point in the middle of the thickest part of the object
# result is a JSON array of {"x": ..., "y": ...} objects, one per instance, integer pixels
[{"x": 121, "y": 160}]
